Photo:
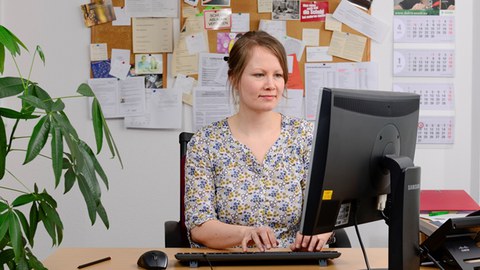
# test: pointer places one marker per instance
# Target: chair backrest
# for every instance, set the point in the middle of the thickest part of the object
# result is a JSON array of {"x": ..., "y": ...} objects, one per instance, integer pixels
[{"x": 183, "y": 139}]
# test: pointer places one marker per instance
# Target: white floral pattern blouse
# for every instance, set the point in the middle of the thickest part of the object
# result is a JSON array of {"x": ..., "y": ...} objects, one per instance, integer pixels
[{"x": 224, "y": 180}]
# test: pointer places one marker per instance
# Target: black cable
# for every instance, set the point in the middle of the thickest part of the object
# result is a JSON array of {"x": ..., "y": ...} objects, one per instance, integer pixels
[
  {"x": 208, "y": 261},
  {"x": 437, "y": 263},
  {"x": 361, "y": 243},
  {"x": 432, "y": 259}
]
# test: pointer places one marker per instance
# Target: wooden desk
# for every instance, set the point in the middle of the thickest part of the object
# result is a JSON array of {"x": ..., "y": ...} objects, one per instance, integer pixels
[{"x": 126, "y": 258}]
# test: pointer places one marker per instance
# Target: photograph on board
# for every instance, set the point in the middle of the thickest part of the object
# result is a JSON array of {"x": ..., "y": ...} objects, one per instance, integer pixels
[
  {"x": 153, "y": 81},
  {"x": 148, "y": 64},
  {"x": 98, "y": 13},
  {"x": 423, "y": 7},
  {"x": 285, "y": 10},
  {"x": 225, "y": 3}
]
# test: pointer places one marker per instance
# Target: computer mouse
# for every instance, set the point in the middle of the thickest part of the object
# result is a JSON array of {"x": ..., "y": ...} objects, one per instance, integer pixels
[{"x": 153, "y": 260}]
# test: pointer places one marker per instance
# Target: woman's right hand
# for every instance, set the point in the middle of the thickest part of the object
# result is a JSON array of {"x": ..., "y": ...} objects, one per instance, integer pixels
[{"x": 263, "y": 237}]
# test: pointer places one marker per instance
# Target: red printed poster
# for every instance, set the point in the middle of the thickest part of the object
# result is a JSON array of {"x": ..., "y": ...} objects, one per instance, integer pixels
[{"x": 313, "y": 11}]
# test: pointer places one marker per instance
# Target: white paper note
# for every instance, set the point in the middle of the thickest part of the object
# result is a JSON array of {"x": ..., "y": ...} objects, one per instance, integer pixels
[{"x": 361, "y": 21}]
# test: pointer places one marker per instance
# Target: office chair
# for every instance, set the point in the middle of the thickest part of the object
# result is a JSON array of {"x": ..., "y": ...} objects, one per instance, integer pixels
[{"x": 176, "y": 231}]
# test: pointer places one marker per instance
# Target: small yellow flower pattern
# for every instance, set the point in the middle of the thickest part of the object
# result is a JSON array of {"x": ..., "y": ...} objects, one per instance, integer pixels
[{"x": 225, "y": 182}]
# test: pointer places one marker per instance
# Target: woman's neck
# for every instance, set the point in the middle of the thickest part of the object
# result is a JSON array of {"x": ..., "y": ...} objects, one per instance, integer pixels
[{"x": 256, "y": 123}]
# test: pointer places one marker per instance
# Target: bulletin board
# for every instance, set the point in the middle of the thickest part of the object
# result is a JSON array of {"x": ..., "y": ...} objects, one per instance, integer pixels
[
  {"x": 294, "y": 27},
  {"x": 120, "y": 37}
]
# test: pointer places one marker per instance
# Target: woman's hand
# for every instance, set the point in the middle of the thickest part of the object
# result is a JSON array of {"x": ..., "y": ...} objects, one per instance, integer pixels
[
  {"x": 262, "y": 237},
  {"x": 310, "y": 242}
]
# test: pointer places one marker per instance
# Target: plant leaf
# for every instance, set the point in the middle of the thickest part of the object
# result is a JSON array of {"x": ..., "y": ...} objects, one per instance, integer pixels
[
  {"x": 2, "y": 59},
  {"x": 103, "y": 214},
  {"x": 33, "y": 218},
  {"x": 6, "y": 256},
  {"x": 23, "y": 222},
  {"x": 85, "y": 90},
  {"x": 23, "y": 199},
  {"x": 89, "y": 199},
  {"x": 8, "y": 37},
  {"x": 111, "y": 142},
  {"x": 9, "y": 41},
  {"x": 48, "y": 199},
  {"x": 96, "y": 164},
  {"x": 34, "y": 262},
  {"x": 15, "y": 234},
  {"x": 10, "y": 86},
  {"x": 69, "y": 180},
  {"x": 3, "y": 148},
  {"x": 47, "y": 223},
  {"x": 40, "y": 53},
  {"x": 3, "y": 224},
  {"x": 97, "y": 124},
  {"x": 53, "y": 216},
  {"x": 57, "y": 153},
  {"x": 38, "y": 138},
  {"x": 3, "y": 207},
  {"x": 9, "y": 113},
  {"x": 61, "y": 120},
  {"x": 58, "y": 105},
  {"x": 36, "y": 102}
]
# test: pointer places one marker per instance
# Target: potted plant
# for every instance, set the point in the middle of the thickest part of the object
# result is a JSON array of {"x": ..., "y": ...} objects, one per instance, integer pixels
[{"x": 72, "y": 160}]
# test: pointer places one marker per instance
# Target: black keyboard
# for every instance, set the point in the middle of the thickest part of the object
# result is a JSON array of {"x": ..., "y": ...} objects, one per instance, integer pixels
[{"x": 254, "y": 258}]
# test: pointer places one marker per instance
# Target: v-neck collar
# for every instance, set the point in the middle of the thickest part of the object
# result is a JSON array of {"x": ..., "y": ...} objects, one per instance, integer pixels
[{"x": 268, "y": 155}]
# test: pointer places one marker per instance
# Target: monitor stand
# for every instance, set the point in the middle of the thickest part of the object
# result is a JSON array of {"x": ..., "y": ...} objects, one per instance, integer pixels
[{"x": 403, "y": 210}]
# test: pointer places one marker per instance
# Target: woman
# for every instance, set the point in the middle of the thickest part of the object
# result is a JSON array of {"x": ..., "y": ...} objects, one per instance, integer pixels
[{"x": 245, "y": 175}]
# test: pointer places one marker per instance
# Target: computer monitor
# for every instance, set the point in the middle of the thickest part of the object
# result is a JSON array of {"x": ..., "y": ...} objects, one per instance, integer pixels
[{"x": 362, "y": 161}]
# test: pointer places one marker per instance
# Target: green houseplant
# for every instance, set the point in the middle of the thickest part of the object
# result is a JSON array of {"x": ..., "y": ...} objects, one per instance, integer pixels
[{"x": 71, "y": 160}]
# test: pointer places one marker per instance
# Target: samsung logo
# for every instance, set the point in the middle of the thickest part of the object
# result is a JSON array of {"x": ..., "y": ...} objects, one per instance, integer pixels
[{"x": 413, "y": 187}]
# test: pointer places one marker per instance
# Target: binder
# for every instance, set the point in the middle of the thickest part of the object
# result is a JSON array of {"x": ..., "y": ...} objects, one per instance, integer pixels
[{"x": 447, "y": 200}]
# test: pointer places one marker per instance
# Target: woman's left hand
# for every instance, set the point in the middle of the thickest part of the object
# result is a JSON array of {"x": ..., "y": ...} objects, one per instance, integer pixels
[{"x": 310, "y": 242}]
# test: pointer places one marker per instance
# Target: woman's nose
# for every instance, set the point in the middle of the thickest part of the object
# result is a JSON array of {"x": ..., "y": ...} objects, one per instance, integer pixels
[{"x": 270, "y": 82}]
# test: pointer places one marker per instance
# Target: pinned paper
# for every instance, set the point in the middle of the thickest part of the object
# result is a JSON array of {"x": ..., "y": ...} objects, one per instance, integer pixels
[
  {"x": 191, "y": 2},
  {"x": 295, "y": 77},
  {"x": 122, "y": 18},
  {"x": 101, "y": 69},
  {"x": 240, "y": 22},
  {"x": 216, "y": 19},
  {"x": 196, "y": 43},
  {"x": 311, "y": 37},
  {"x": 98, "y": 52},
  {"x": 332, "y": 24},
  {"x": 318, "y": 54},
  {"x": 120, "y": 63},
  {"x": 264, "y": 6},
  {"x": 313, "y": 11},
  {"x": 348, "y": 46}
]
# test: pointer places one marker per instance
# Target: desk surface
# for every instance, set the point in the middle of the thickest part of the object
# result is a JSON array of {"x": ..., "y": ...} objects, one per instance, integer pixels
[{"x": 126, "y": 258}]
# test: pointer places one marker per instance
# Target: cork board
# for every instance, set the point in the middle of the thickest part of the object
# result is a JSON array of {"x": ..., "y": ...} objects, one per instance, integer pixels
[
  {"x": 120, "y": 37},
  {"x": 294, "y": 28}
]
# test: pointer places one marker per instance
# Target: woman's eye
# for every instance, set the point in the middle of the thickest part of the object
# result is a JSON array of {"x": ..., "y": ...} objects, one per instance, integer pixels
[
  {"x": 279, "y": 75},
  {"x": 258, "y": 75}
]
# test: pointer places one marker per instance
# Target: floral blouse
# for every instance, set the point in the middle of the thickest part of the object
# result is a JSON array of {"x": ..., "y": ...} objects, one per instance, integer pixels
[{"x": 224, "y": 181}]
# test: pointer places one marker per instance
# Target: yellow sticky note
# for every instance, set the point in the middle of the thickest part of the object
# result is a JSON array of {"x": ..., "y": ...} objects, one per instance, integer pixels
[{"x": 327, "y": 194}]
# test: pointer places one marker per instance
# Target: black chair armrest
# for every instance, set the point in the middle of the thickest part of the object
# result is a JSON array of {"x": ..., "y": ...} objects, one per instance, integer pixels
[{"x": 175, "y": 235}]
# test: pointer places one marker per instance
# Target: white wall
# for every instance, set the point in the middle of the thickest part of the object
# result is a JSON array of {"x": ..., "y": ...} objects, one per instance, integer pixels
[
  {"x": 475, "y": 185},
  {"x": 145, "y": 193}
]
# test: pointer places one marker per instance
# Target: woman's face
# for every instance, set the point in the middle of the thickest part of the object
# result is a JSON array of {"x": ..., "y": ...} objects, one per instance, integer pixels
[{"x": 261, "y": 85}]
